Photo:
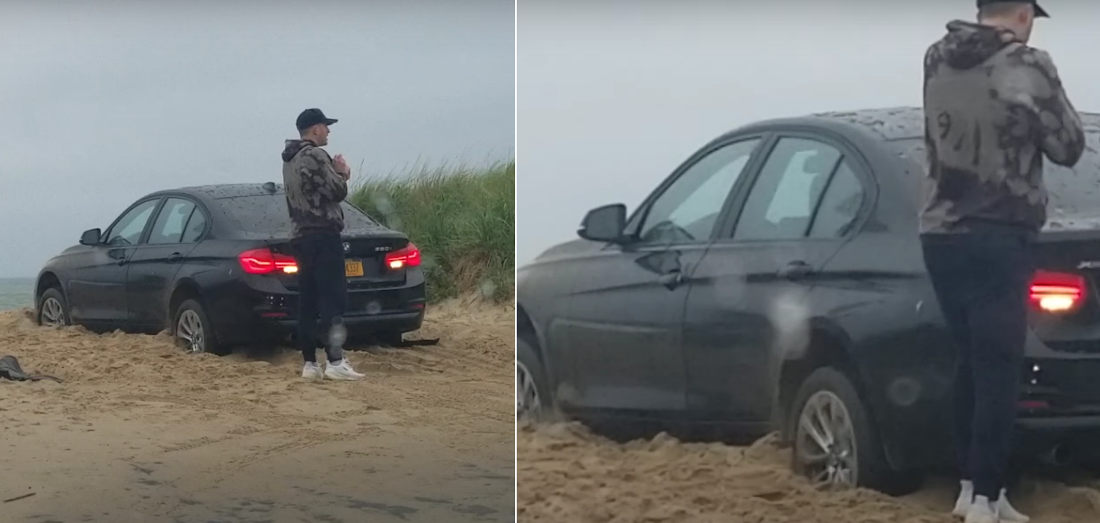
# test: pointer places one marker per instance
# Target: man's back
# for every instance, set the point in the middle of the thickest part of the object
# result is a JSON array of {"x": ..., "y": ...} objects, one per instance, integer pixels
[
  {"x": 313, "y": 189},
  {"x": 993, "y": 107}
]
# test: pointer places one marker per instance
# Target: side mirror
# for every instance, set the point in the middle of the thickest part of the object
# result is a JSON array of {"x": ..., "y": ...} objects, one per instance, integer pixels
[
  {"x": 604, "y": 224},
  {"x": 90, "y": 237}
]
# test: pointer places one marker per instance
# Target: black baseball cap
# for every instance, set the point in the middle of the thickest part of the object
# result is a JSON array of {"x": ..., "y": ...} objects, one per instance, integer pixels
[
  {"x": 311, "y": 117},
  {"x": 1039, "y": 11}
]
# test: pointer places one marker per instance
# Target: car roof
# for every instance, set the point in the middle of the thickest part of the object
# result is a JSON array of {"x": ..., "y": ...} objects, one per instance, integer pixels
[
  {"x": 888, "y": 124},
  {"x": 227, "y": 190}
]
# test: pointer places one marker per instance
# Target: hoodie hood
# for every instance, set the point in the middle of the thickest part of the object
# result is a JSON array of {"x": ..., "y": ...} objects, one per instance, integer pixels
[
  {"x": 292, "y": 148},
  {"x": 968, "y": 45}
]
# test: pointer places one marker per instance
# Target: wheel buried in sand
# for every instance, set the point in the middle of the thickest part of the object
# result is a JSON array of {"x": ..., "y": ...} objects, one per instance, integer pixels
[
  {"x": 190, "y": 332},
  {"x": 825, "y": 443},
  {"x": 528, "y": 405},
  {"x": 53, "y": 313}
]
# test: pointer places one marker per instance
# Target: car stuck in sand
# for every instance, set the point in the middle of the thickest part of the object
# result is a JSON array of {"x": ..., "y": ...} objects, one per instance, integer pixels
[
  {"x": 213, "y": 266},
  {"x": 774, "y": 282}
]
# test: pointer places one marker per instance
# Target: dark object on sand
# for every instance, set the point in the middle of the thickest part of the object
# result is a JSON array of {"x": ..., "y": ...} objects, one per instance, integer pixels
[
  {"x": 17, "y": 498},
  {"x": 418, "y": 343},
  {"x": 10, "y": 369}
]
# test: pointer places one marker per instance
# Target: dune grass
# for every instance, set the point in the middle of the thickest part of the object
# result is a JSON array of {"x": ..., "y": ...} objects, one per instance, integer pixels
[{"x": 462, "y": 219}]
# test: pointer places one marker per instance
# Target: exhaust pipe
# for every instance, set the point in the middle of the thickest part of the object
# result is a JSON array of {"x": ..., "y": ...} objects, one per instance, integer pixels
[{"x": 1057, "y": 456}]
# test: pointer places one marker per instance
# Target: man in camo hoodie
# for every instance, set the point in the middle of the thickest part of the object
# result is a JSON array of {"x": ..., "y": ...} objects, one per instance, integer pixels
[
  {"x": 993, "y": 108},
  {"x": 315, "y": 186}
]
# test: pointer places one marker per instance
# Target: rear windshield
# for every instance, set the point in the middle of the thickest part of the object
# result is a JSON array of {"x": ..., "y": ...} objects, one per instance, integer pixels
[
  {"x": 268, "y": 214},
  {"x": 1073, "y": 192}
]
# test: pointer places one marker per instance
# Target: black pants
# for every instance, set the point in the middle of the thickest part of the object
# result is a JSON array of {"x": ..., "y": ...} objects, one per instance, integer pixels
[
  {"x": 322, "y": 290},
  {"x": 981, "y": 282}
]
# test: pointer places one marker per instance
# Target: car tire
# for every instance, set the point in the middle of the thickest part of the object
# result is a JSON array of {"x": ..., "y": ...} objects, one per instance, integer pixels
[
  {"x": 189, "y": 320},
  {"x": 53, "y": 309},
  {"x": 829, "y": 393},
  {"x": 533, "y": 403}
]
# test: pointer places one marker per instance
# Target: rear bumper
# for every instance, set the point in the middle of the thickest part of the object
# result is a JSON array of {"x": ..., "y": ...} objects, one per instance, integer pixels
[
  {"x": 395, "y": 322},
  {"x": 1075, "y": 438},
  {"x": 1055, "y": 425},
  {"x": 264, "y": 309},
  {"x": 1059, "y": 405}
]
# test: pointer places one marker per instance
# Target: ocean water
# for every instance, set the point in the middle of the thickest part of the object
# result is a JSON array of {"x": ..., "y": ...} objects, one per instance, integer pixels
[{"x": 16, "y": 293}]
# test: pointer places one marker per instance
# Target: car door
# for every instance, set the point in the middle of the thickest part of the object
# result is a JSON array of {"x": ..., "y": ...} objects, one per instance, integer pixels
[
  {"x": 156, "y": 261},
  {"x": 623, "y": 324},
  {"x": 750, "y": 300},
  {"x": 97, "y": 290}
]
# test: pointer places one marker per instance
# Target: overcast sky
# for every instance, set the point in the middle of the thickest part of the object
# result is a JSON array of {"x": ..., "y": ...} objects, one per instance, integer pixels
[
  {"x": 103, "y": 102},
  {"x": 613, "y": 95}
]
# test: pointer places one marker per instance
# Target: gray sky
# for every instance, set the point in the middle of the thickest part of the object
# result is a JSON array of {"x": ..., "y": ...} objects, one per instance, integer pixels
[
  {"x": 613, "y": 95},
  {"x": 104, "y": 104}
]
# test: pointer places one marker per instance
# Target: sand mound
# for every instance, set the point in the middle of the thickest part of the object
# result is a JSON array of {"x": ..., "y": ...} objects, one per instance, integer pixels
[{"x": 565, "y": 473}]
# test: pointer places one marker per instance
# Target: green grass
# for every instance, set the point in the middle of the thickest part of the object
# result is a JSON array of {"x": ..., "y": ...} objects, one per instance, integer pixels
[{"x": 462, "y": 219}]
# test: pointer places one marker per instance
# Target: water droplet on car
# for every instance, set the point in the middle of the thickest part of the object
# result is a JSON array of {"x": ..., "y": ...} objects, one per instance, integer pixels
[{"x": 904, "y": 391}]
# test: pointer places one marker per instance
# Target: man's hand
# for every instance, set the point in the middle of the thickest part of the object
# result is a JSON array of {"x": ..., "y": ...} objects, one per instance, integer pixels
[{"x": 341, "y": 166}]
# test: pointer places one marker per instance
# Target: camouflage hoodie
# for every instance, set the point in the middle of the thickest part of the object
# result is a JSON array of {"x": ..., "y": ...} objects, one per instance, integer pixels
[
  {"x": 992, "y": 108},
  {"x": 314, "y": 189}
]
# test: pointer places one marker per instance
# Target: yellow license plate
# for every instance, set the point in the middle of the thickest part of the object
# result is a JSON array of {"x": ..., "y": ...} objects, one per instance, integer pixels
[{"x": 353, "y": 268}]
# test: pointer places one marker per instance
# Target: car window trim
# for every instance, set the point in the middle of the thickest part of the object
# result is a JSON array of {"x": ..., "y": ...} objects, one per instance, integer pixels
[
  {"x": 825, "y": 189},
  {"x": 148, "y": 224},
  {"x": 852, "y": 227},
  {"x": 205, "y": 228},
  {"x": 163, "y": 206},
  {"x": 642, "y": 212},
  {"x": 859, "y": 165},
  {"x": 200, "y": 206}
]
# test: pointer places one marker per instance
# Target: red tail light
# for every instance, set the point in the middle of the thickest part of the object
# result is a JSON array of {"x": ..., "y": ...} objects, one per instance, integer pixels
[
  {"x": 407, "y": 257},
  {"x": 1057, "y": 291},
  {"x": 263, "y": 261}
]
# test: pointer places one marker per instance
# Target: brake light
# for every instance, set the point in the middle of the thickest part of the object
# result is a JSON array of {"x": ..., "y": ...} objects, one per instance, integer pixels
[
  {"x": 1057, "y": 291},
  {"x": 407, "y": 257},
  {"x": 263, "y": 261}
]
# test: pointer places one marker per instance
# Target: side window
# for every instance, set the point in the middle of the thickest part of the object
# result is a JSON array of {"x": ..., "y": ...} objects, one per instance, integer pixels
[
  {"x": 169, "y": 225},
  {"x": 128, "y": 229},
  {"x": 195, "y": 227},
  {"x": 783, "y": 197},
  {"x": 840, "y": 205},
  {"x": 688, "y": 208}
]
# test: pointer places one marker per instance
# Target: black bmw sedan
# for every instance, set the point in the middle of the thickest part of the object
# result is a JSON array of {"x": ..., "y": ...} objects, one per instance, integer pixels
[
  {"x": 213, "y": 266},
  {"x": 775, "y": 281}
]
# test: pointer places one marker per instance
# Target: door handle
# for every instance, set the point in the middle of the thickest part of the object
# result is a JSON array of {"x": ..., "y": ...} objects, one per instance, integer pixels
[
  {"x": 671, "y": 279},
  {"x": 796, "y": 270},
  {"x": 122, "y": 262},
  {"x": 174, "y": 257}
]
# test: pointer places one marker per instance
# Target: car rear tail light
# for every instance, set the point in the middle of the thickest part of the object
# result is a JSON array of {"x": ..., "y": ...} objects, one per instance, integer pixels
[
  {"x": 1057, "y": 291},
  {"x": 407, "y": 257},
  {"x": 263, "y": 261}
]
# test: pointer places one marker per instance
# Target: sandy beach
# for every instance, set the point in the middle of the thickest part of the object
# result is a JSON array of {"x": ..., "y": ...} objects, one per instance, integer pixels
[
  {"x": 140, "y": 431},
  {"x": 566, "y": 473}
]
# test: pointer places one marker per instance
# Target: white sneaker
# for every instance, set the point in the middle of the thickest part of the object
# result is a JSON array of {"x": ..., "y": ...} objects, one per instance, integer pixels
[
  {"x": 312, "y": 371},
  {"x": 966, "y": 496},
  {"x": 980, "y": 511},
  {"x": 1007, "y": 513},
  {"x": 342, "y": 371}
]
